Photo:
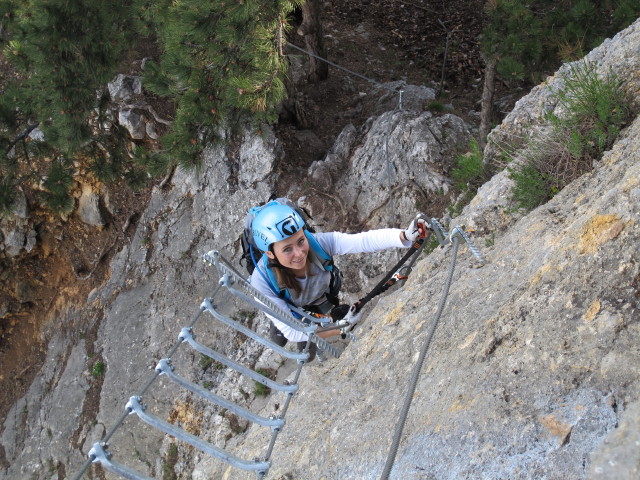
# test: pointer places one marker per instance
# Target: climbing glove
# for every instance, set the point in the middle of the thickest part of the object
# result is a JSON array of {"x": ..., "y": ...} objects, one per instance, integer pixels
[{"x": 417, "y": 229}]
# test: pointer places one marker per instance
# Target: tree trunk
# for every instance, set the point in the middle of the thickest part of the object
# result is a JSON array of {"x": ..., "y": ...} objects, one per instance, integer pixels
[
  {"x": 487, "y": 100},
  {"x": 311, "y": 30}
]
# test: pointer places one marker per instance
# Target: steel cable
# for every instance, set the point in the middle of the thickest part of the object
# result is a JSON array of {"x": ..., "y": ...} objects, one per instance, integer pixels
[
  {"x": 418, "y": 367},
  {"x": 351, "y": 72}
]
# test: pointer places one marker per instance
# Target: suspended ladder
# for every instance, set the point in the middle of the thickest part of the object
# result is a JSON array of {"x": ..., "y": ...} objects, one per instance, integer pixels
[{"x": 234, "y": 283}]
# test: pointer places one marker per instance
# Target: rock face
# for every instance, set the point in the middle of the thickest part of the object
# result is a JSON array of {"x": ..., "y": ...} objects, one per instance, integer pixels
[
  {"x": 17, "y": 235},
  {"x": 402, "y": 159},
  {"x": 89, "y": 207},
  {"x": 529, "y": 375}
]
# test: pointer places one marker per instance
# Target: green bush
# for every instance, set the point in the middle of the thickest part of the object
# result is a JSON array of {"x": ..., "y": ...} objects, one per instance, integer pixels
[
  {"x": 436, "y": 107},
  {"x": 468, "y": 175},
  {"x": 592, "y": 110},
  {"x": 205, "y": 362},
  {"x": 98, "y": 369},
  {"x": 168, "y": 466},
  {"x": 469, "y": 172},
  {"x": 531, "y": 188},
  {"x": 261, "y": 390}
]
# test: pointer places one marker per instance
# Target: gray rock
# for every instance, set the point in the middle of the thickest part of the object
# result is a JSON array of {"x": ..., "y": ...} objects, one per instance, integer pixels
[
  {"x": 151, "y": 131},
  {"x": 619, "y": 456},
  {"x": 89, "y": 207},
  {"x": 327, "y": 171},
  {"x": 32, "y": 239},
  {"x": 133, "y": 122},
  {"x": 20, "y": 206},
  {"x": 413, "y": 98},
  {"x": 37, "y": 135},
  {"x": 398, "y": 164},
  {"x": 14, "y": 241},
  {"x": 123, "y": 87}
]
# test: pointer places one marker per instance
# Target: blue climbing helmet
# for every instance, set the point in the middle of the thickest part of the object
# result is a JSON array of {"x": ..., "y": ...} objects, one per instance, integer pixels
[{"x": 274, "y": 222}]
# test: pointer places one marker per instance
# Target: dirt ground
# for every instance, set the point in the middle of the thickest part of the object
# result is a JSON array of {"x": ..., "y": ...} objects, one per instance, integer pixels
[{"x": 425, "y": 42}]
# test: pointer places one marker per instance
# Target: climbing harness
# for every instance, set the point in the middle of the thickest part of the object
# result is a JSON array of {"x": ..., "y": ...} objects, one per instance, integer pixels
[
  {"x": 234, "y": 283},
  {"x": 446, "y": 241}
]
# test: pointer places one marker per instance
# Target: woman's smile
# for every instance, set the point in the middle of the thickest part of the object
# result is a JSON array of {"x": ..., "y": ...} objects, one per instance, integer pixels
[{"x": 292, "y": 252}]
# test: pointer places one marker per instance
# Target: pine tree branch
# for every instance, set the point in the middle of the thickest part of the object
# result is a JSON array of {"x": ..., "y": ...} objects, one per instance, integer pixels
[{"x": 22, "y": 136}]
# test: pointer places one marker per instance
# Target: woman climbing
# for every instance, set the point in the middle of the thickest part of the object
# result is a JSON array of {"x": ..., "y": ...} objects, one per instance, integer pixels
[{"x": 297, "y": 265}]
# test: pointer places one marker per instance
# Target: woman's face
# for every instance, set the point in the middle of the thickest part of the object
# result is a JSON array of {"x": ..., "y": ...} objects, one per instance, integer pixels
[{"x": 292, "y": 252}]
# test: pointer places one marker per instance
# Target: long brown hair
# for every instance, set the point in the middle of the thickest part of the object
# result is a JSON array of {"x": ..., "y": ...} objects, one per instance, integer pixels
[{"x": 285, "y": 277}]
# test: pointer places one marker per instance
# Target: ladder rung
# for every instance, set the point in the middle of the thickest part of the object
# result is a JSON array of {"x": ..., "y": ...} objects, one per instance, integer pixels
[
  {"x": 187, "y": 336},
  {"x": 99, "y": 455},
  {"x": 135, "y": 406},
  {"x": 268, "y": 308},
  {"x": 164, "y": 368},
  {"x": 323, "y": 344},
  {"x": 206, "y": 304}
]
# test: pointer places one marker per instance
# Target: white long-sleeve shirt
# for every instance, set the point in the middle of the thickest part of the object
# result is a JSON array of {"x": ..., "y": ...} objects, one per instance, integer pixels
[{"x": 316, "y": 283}]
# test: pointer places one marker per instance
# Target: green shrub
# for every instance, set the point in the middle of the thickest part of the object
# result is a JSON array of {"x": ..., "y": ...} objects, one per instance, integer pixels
[
  {"x": 469, "y": 172},
  {"x": 206, "y": 362},
  {"x": 435, "y": 106},
  {"x": 468, "y": 175},
  {"x": 168, "y": 466},
  {"x": 592, "y": 112},
  {"x": 532, "y": 188},
  {"x": 261, "y": 390},
  {"x": 98, "y": 369}
]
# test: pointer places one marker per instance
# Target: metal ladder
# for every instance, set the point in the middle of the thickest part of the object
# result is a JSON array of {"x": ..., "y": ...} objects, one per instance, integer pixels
[{"x": 234, "y": 283}]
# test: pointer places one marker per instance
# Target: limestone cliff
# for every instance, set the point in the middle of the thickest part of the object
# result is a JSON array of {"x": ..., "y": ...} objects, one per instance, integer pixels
[{"x": 531, "y": 373}]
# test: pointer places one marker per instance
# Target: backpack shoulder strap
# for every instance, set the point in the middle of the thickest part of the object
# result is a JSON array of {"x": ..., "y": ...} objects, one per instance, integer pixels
[{"x": 272, "y": 280}]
